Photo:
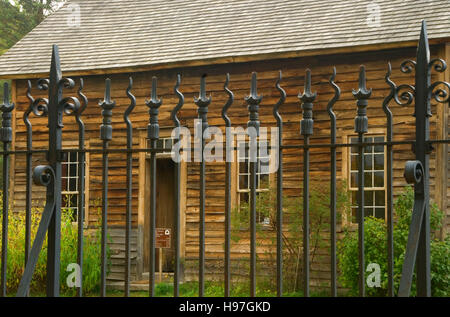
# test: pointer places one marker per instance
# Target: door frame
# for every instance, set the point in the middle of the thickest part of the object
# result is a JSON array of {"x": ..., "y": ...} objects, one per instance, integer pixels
[{"x": 165, "y": 132}]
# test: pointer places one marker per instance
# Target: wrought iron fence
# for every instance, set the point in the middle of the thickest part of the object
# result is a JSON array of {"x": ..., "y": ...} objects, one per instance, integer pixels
[{"x": 416, "y": 172}]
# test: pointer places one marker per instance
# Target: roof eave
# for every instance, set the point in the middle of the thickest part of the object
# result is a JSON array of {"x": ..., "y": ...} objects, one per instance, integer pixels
[{"x": 230, "y": 59}]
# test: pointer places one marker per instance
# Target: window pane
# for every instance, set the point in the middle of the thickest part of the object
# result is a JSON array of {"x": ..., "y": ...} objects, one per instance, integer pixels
[
  {"x": 354, "y": 162},
  {"x": 368, "y": 179},
  {"x": 355, "y": 215},
  {"x": 368, "y": 198},
  {"x": 368, "y": 212},
  {"x": 264, "y": 181},
  {"x": 73, "y": 170},
  {"x": 379, "y": 198},
  {"x": 241, "y": 151},
  {"x": 244, "y": 197},
  {"x": 72, "y": 184},
  {"x": 243, "y": 167},
  {"x": 264, "y": 167},
  {"x": 379, "y": 179},
  {"x": 243, "y": 181},
  {"x": 379, "y": 162},
  {"x": 354, "y": 198},
  {"x": 379, "y": 213},
  {"x": 168, "y": 145},
  {"x": 64, "y": 184},
  {"x": 368, "y": 162},
  {"x": 368, "y": 148},
  {"x": 354, "y": 180},
  {"x": 354, "y": 149},
  {"x": 379, "y": 148},
  {"x": 160, "y": 143}
]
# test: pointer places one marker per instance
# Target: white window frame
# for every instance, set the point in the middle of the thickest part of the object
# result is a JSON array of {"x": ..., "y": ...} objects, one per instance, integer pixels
[
  {"x": 244, "y": 159},
  {"x": 354, "y": 189}
]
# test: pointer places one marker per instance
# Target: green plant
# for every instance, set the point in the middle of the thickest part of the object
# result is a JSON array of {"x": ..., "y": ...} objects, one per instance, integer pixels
[
  {"x": 292, "y": 234},
  {"x": 375, "y": 244},
  {"x": 69, "y": 239}
]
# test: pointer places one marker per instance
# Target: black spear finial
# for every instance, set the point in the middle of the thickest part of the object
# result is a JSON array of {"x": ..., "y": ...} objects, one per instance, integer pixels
[
  {"x": 362, "y": 95},
  {"x": 107, "y": 105},
  {"x": 253, "y": 101},
  {"x": 202, "y": 103},
  {"x": 307, "y": 99},
  {"x": 6, "y": 108},
  {"x": 153, "y": 104}
]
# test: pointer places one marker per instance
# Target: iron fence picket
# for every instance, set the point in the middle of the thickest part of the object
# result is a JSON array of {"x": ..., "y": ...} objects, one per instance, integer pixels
[
  {"x": 389, "y": 181},
  {"x": 361, "y": 127},
  {"x": 28, "y": 171},
  {"x": 105, "y": 135},
  {"x": 306, "y": 129},
  {"x": 177, "y": 184},
  {"x": 129, "y": 186},
  {"x": 81, "y": 183},
  {"x": 253, "y": 101},
  {"x": 227, "y": 224},
  {"x": 153, "y": 135},
  {"x": 6, "y": 138},
  {"x": 333, "y": 191},
  {"x": 202, "y": 103},
  {"x": 279, "y": 216}
]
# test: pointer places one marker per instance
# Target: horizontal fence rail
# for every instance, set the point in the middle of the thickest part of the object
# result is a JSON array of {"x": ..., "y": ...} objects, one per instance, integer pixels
[{"x": 50, "y": 175}]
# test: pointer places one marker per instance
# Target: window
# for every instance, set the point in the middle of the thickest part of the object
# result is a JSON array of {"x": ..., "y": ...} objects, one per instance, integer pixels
[
  {"x": 374, "y": 178},
  {"x": 69, "y": 184},
  {"x": 165, "y": 143},
  {"x": 262, "y": 175}
]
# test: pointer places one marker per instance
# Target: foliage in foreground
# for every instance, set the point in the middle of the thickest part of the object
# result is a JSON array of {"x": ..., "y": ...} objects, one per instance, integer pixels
[
  {"x": 69, "y": 238},
  {"x": 375, "y": 244},
  {"x": 292, "y": 233}
]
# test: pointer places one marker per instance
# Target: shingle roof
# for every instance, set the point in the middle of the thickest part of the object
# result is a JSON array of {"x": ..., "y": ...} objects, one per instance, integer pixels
[{"x": 123, "y": 33}]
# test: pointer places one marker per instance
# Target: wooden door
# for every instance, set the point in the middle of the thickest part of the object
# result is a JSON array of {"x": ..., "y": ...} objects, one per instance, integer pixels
[{"x": 164, "y": 211}]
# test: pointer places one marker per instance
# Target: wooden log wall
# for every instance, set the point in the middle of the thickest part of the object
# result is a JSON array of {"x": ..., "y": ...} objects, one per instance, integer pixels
[{"x": 293, "y": 81}]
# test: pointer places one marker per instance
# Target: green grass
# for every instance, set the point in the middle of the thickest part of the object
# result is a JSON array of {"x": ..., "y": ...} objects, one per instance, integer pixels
[
  {"x": 212, "y": 289},
  {"x": 190, "y": 289}
]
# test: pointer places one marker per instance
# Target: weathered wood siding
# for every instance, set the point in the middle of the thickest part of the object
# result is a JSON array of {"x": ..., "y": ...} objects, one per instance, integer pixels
[{"x": 293, "y": 80}]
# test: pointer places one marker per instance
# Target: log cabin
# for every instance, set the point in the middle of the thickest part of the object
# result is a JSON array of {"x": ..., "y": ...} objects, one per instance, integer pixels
[{"x": 117, "y": 39}]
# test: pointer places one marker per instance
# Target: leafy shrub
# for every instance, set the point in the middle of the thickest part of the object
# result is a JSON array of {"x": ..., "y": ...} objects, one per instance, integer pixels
[
  {"x": 375, "y": 244},
  {"x": 69, "y": 238},
  {"x": 292, "y": 231}
]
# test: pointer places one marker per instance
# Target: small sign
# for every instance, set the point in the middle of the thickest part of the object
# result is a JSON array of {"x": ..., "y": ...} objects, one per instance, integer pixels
[{"x": 163, "y": 237}]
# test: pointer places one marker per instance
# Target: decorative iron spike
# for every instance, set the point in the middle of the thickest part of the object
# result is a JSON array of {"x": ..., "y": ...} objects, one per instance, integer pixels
[
  {"x": 154, "y": 103},
  {"x": 307, "y": 99},
  {"x": 337, "y": 95},
  {"x": 253, "y": 101},
  {"x": 6, "y": 108},
  {"x": 281, "y": 101},
  {"x": 392, "y": 92},
  {"x": 228, "y": 103},
  {"x": 362, "y": 95},
  {"x": 174, "y": 113},
  {"x": 107, "y": 105},
  {"x": 202, "y": 103},
  {"x": 81, "y": 97},
  {"x": 126, "y": 115}
]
